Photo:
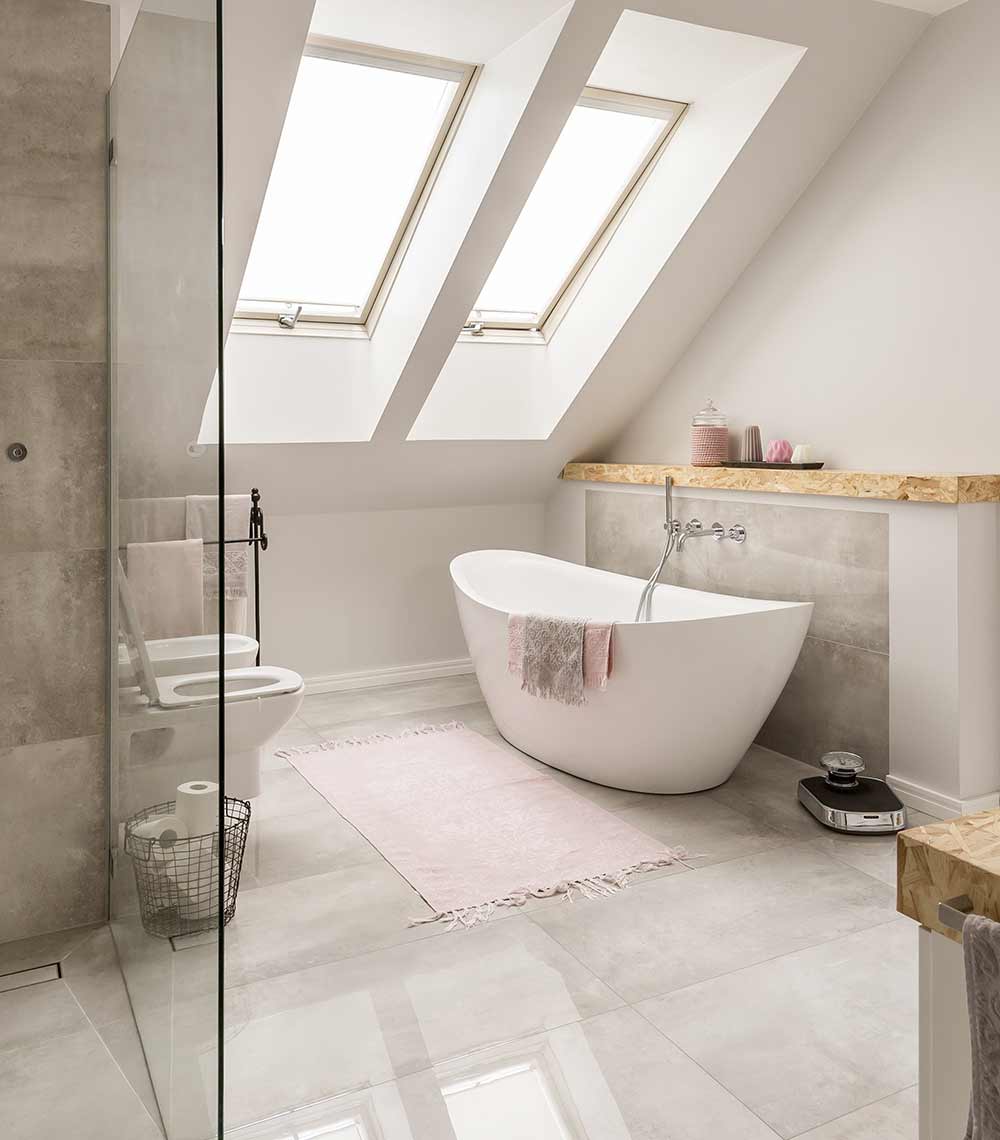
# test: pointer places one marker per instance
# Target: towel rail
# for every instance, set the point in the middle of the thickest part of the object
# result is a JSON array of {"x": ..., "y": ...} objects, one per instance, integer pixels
[
  {"x": 953, "y": 912},
  {"x": 257, "y": 538}
]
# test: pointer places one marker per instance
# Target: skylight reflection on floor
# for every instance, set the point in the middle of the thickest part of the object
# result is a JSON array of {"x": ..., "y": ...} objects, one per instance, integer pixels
[{"x": 516, "y": 1102}]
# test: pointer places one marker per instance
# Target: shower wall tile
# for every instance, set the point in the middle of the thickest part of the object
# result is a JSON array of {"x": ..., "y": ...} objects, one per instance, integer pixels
[
  {"x": 838, "y": 693},
  {"x": 55, "y": 499},
  {"x": 55, "y": 63},
  {"x": 836, "y": 698},
  {"x": 52, "y": 673},
  {"x": 839, "y": 560},
  {"x": 54, "y": 55},
  {"x": 52, "y": 824}
]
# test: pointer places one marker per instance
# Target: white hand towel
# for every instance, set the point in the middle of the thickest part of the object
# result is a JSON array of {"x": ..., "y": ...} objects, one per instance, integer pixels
[
  {"x": 166, "y": 581},
  {"x": 202, "y": 521}
]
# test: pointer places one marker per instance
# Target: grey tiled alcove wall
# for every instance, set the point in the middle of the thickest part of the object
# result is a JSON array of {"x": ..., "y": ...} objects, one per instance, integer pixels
[
  {"x": 838, "y": 693},
  {"x": 55, "y": 56}
]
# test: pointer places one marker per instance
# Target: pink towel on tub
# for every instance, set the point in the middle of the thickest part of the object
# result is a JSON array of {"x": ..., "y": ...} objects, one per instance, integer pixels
[
  {"x": 597, "y": 654},
  {"x": 598, "y": 650}
]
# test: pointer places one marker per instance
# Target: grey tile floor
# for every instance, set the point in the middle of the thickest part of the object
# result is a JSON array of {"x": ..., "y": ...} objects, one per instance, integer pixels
[
  {"x": 766, "y": 988},
  {"x": 763, "y": 988}
]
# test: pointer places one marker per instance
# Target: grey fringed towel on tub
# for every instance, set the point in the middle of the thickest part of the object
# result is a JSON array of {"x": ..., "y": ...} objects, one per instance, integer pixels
[{"x": 981, "y": 946}]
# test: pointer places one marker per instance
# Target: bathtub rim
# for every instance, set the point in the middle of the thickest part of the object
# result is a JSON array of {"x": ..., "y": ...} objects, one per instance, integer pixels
[{"x": 754, "y": 605}]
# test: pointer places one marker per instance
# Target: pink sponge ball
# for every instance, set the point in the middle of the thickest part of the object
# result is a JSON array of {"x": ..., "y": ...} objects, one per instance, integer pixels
[{"x": 778, "y": 451}]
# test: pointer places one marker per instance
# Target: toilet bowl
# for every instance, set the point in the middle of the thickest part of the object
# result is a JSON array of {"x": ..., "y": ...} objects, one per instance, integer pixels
[{"x": 258, "y": 701}]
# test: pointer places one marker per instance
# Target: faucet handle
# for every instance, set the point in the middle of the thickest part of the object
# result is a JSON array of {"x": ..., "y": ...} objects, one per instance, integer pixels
[{"x": 738, "y": 533}]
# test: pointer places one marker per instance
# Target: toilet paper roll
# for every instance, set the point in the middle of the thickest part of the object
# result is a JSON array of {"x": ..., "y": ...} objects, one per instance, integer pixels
[
  {"x": 165, "y": 830},
  {"x": 198, "y": 806}
]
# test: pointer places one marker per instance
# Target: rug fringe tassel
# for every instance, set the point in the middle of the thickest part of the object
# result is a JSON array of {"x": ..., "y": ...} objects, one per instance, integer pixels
[
  {"x": 592, "y": 887},
  {"x": 374, "y": 738}
]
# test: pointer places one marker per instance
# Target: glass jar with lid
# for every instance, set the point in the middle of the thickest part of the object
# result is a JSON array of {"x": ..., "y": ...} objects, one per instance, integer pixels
[{"x": 709, "y": 437}]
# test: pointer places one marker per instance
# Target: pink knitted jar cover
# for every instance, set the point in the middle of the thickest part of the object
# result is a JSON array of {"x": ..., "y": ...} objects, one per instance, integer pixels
[{"x": 709, "y": 445}]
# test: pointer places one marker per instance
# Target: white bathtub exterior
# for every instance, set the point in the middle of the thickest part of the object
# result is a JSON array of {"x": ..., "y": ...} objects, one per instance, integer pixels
[{"x": 689, "y": 690}]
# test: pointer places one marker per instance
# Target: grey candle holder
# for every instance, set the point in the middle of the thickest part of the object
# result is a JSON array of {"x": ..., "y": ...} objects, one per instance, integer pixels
[{"x": 752, "y": 448}]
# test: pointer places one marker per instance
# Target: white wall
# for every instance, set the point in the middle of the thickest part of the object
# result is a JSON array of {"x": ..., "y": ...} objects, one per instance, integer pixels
[
  {"x": 370, "y": 590},
  {"x": 866, "y": 325}
]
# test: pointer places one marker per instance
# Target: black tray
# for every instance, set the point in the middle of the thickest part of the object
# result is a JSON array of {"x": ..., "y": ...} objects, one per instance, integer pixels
[{"x": 771, "y": 466}]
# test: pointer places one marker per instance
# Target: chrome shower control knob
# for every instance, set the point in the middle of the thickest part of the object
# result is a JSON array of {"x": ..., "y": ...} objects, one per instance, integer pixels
[
  {"x": 737, "y": 533},
  {"x": 842, "y": 768}
]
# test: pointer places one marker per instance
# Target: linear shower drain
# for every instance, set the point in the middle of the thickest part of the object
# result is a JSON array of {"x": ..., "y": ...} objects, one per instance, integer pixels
[{"x": 33, "y": 977}]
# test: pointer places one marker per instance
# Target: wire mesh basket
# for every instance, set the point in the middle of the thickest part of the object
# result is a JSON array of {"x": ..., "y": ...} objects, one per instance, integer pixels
[{"x": 178, "y": 880}]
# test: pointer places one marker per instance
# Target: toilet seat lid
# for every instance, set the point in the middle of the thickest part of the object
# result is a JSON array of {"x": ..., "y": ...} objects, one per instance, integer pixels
[{"x": 246, "y": 684}]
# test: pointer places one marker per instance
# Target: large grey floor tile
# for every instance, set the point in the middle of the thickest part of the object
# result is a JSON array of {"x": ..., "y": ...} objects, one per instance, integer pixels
[
  {"x": 295, "y": 734},
  {"x": 299, "y": 1037},
  {"x": 42, "y": 950},
  {"x": 475, "y": 716},
  {"x": 284, "y": 847},
  {"x": 35, "y": 1013},
  {"x": 305, "y": 922},
  {"x": 285, "y": 792},
  {"x": 709, "y": 831},
  {"x": 810, "y": 1036},
  {"x": 325, "y": 710},
  {"x": 894, "y": 1118},
  {"x": 658, "y": 936},
  {"x": 873, "y": 854},
  {"x": 764, "y": 787},
  {"x": 94, "y": 976},
  {"x": 612, "y": 1077},
  {"x": 69, "y": 1086}
]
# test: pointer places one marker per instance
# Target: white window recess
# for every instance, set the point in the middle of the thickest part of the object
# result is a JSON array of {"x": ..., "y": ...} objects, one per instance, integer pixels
[{"x": 364, "y": 136}]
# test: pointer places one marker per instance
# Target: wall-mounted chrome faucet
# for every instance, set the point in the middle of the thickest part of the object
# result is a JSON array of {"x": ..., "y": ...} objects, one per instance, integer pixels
[{"x": 694, "y": 529}]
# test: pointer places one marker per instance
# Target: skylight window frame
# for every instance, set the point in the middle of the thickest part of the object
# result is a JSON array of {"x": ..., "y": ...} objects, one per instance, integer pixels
[
  {"x": 262, "y": 315},
  {"x": 488, "y": 325}
]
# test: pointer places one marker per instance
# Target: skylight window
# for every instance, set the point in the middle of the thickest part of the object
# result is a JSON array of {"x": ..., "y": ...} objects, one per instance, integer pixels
[
  {"x": 360, "y": 144},
  {"x": 607, "y": 146}
]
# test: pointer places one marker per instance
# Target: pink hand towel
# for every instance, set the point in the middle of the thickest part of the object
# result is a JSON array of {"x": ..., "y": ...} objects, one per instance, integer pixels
[
  {"x": 597, "y": 654},
  {"x": 598, "y": 650},
  {"x": 516, "y": 625}
]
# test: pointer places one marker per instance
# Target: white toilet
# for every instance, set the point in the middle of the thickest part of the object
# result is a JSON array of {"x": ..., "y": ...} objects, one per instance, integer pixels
[{"x": 259, "y": 700}]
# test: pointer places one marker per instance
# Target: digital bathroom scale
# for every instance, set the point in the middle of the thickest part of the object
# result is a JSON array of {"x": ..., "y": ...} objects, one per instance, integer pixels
[{"x": 845, "y": 800}]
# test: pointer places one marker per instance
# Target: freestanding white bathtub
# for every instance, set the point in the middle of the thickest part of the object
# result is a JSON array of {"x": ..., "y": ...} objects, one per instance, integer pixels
[{"x": 689, "y": 689}]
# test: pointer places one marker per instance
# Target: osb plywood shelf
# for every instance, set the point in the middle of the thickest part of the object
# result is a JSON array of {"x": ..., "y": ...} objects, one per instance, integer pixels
[
  {"x": 944, "y": 860},
  {"x": 846, "y": 484}
]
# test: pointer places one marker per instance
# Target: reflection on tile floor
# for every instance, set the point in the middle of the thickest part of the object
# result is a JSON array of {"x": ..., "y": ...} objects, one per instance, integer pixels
[
  {"x": 702, "y": 1003},
  {"x": 644, "y": 1015}
]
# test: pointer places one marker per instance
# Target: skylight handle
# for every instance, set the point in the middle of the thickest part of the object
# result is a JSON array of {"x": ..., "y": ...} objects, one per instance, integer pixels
[{"x": 289, "y": 320}]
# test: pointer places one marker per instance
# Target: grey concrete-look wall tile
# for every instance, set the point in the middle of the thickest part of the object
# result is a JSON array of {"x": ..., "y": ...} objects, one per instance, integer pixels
[
  {"x": 836, "y": 698},
  {"x": 52, "y": 819},
  {"x": 55, "y": 63},
  {"x": 839, "y": 560},
  {"x": 52, "y": 290},
  {"x": 54, "y": 499},
  {"x": 52, "y": 674}
]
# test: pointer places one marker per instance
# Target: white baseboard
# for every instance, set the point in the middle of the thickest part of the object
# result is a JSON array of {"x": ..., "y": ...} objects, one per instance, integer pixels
[
  {"x": 937, "y": 804},
  {"x": 394, "y": 675}
]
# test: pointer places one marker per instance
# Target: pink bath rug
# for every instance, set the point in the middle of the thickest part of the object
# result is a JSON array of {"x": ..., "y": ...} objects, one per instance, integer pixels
[{"x": 470, "y": 826}]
